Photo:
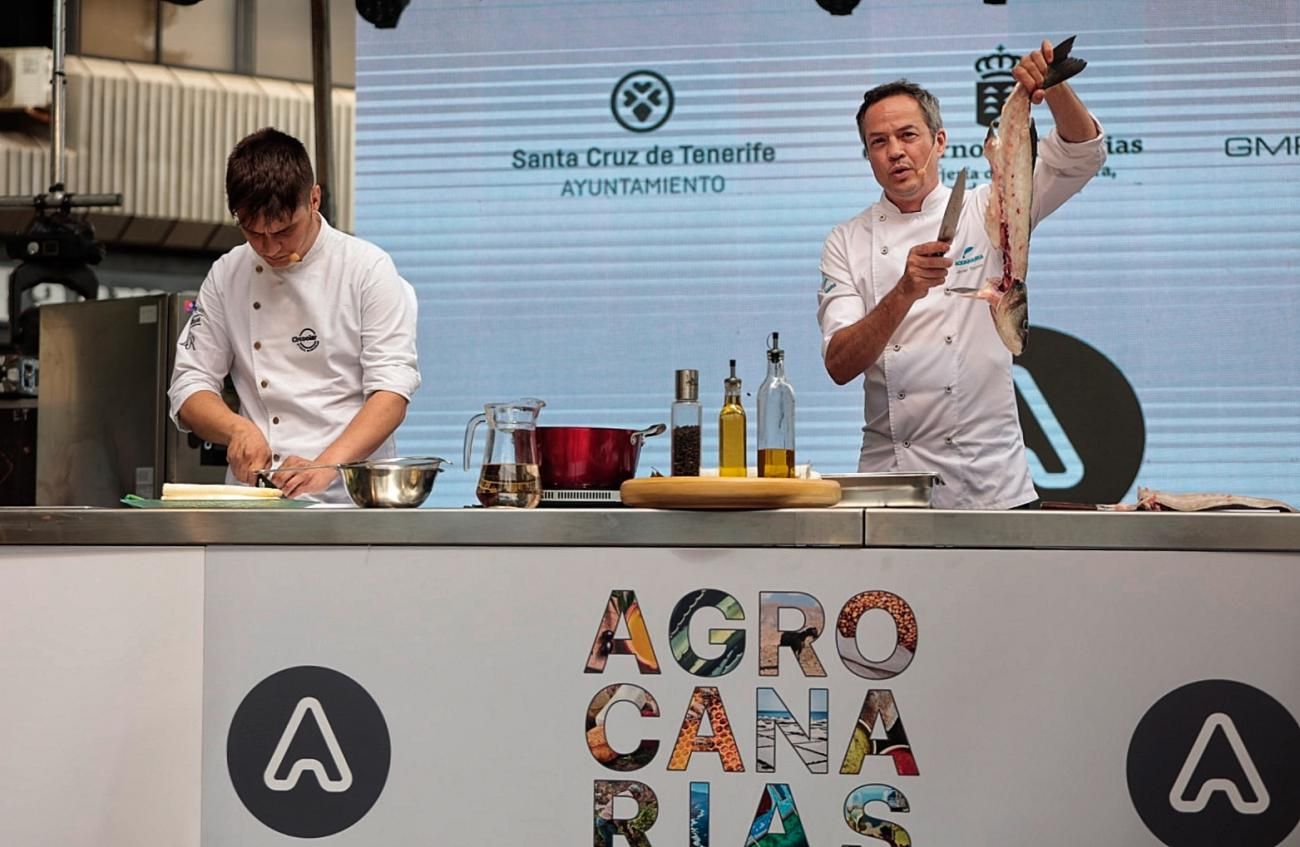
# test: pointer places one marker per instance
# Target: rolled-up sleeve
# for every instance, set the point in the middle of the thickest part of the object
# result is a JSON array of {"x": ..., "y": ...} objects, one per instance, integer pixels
[
  {"x": 839, "y": 304},
  {"x": 203, "y": 353},
  {"x": 1063, "y": 169},
  {"x": 389, "y": 359}
]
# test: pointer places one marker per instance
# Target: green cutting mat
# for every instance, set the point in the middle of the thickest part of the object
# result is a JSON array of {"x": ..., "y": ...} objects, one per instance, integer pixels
[{"x": 264, "y": 503}]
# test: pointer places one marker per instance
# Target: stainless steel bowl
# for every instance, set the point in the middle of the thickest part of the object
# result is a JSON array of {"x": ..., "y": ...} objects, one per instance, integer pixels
[{"x": 391, "y": 483}]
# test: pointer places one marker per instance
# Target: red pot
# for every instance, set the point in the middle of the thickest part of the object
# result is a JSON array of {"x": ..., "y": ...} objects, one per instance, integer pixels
[{"x": 589, "y": 457}]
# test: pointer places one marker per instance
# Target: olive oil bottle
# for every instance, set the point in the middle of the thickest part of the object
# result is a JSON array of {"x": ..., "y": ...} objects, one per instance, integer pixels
[
  {"x": 775, "y": 416},
  {"x": 731, "y": 429}
]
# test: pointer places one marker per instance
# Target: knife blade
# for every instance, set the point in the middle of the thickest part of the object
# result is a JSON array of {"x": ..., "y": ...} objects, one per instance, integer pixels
[{"x": 952, "y": 214}]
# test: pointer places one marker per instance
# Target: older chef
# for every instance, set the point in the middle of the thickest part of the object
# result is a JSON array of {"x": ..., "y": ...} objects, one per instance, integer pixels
[
  {"x": 315, "y": 327},
  {"x": 939, "y": 391}
]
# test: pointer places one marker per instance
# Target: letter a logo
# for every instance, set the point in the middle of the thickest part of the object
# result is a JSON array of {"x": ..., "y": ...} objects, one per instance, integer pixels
[
  {"x": 1219, "y": 721},
  {"x": 267, "y": 757},
  {"x": 301, "y": 766},
  {"x": 1216, "y": 763}
]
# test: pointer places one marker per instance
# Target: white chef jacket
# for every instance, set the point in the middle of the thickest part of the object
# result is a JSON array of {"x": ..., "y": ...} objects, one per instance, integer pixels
[
  {"x": 305, "y": 344},
  {"x": 941, "y": 397}
]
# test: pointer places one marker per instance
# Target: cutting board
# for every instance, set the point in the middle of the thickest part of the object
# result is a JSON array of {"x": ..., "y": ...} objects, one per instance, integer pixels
[{"x": 697, "y": 492}]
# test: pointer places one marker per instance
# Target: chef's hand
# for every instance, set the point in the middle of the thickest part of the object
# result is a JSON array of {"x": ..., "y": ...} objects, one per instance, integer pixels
[
  {"x": 1032, "y": 69},
  {"x": 247, "y": 451},
  {"x": 294, "y": 483},
  {"x": 926, "y": 268}
]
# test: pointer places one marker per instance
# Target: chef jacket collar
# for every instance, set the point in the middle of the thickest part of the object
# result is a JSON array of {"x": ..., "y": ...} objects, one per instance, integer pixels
[
  {"x": 934, "y": 201},
  {"x": 313, "y": 254}
]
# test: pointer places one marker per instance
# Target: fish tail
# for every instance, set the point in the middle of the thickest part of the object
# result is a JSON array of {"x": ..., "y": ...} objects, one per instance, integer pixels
[{"x": 1063, "y": 64}]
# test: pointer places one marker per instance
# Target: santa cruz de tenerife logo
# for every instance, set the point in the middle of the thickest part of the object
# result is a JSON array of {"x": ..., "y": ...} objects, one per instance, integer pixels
[
  {"x": 1216, "y": 763},
  {"x": 642, "y": 101},
  {"x": 995, "y": 83},
  {"x": 308, "y": 752}
]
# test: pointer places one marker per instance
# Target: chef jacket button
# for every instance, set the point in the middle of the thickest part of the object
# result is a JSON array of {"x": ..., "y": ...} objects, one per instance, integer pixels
[
  {"x": 948, "y": 441},
  {"x": 275, "y": 457},
  {"x": 258, "y": 268},
  {"x": 947, "y": 292},
  {"x": 902, "y": 394},
  {"x": 907, "y": 444},
  {"x": 897, "y": 347},
  {"x": 275, "y": 420},
  {"x": 884, "y": 251},
  {"x": 882, "y": 217},
  {"x": 947, "y": 339},
  {"x": 947, "y": 389},
  {"x": 265, "y": 383},
  {"x": 257, "y": 345},
  {"x": 256, "y": 305}
]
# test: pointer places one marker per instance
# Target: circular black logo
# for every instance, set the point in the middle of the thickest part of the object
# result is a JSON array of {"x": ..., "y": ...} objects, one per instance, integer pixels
[
  {"x": 306, "y": 339},
  {"x": 1216, "y": 762},
  {"x": 642, "y": 101},
  {"x": 1087, "y": 457},
  {"x": 308, "y": 752}
]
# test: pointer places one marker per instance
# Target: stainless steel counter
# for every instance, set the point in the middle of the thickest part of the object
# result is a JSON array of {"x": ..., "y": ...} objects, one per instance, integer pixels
[
  {"x": 1257, "y": 531},
  {"x": 838, "y": 527}
]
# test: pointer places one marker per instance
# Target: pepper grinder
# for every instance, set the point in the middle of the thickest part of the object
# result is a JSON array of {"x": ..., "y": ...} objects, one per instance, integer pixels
[{"x": 686, "y": 418}]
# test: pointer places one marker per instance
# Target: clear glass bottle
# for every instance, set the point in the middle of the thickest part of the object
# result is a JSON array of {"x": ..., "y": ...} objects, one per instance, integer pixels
[
  {"x": 731, "y": 429},
  {"x": 775, "y": 416},
  {"x": 687, "y": 416}
]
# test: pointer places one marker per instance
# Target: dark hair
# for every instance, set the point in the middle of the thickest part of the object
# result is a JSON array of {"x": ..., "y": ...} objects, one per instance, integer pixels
[
  {"x": 928, "y": 102},
  {"x": 268, "y": 176}
]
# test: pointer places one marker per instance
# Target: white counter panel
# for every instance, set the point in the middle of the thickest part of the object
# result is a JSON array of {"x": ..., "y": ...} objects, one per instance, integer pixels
[{"x": 100, "y": 706}]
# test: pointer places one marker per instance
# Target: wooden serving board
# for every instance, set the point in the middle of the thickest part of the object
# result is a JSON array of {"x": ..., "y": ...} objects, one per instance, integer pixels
[{"x": 707, "y": 492}]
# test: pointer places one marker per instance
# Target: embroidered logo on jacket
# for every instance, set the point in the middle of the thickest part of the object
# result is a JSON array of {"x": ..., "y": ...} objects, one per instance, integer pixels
[
  {"x": 196, "y": 320},
  {"x": 306, "y": 339}
]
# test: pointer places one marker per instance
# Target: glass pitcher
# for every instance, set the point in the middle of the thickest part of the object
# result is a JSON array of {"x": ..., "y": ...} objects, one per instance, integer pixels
[{"x": 510, "y": 475}]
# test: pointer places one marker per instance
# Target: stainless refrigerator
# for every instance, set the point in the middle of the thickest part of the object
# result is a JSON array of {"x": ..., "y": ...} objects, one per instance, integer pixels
[{"x": 103, "y": 430}]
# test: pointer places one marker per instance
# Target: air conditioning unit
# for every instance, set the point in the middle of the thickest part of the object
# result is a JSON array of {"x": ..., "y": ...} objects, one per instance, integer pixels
[{"x": 25, "y": 77}]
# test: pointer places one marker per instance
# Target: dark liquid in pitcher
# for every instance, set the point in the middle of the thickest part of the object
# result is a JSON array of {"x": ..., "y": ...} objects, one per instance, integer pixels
[{"x": 510, "y": 485}]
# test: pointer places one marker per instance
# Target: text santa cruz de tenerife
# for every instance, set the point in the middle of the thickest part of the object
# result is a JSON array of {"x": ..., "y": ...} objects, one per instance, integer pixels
[{"x": 752, "y": 153}]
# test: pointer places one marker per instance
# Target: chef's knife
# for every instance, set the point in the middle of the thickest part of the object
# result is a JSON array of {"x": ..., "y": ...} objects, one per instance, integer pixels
[{"x": 948, "y": 229}]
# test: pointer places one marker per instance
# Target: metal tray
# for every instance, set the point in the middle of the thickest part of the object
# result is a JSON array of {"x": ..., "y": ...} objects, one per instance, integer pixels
[{"x": 875, "y": 490}]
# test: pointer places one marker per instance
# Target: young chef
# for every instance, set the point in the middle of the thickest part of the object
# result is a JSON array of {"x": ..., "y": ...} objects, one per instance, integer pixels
[
  {"x": 315, "y": 327},
  {"x": 939, "y": 392}
]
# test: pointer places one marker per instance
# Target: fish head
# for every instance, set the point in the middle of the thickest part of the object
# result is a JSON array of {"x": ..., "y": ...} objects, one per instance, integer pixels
[{"x": 1011, "y": 317}]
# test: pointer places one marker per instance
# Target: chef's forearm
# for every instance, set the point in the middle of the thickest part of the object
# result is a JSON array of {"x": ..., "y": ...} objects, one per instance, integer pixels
[
  {"x": 853, "y": 349},
  {"x": 1074, "y": 122},
  {"x": 206, "y": 415},
  {"x": 378, "y": 418}
]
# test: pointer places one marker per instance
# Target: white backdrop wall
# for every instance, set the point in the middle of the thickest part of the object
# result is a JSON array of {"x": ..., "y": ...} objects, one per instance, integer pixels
[{"x": 1178, "y": 264}]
